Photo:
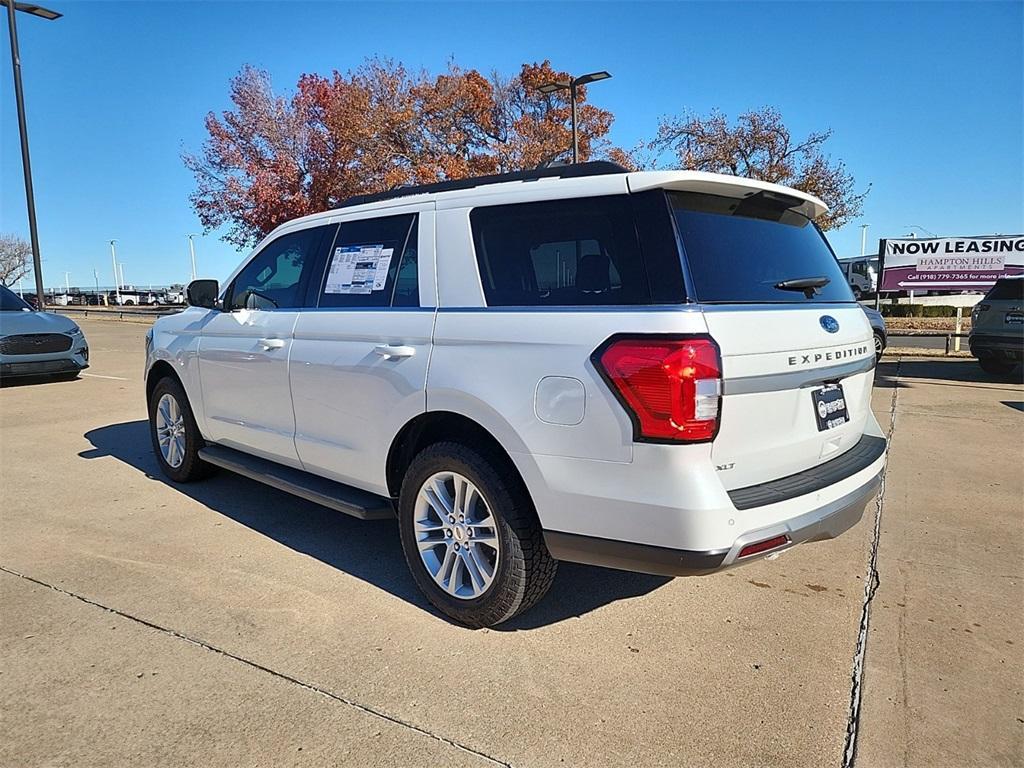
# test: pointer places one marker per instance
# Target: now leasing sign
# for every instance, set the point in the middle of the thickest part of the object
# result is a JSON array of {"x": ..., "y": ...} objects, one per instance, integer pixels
[{"x": 957, "y": 263}]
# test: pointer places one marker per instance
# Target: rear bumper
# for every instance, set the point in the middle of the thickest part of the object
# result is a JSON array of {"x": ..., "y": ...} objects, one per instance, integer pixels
[
  {"x": 1010, "y": 346},
  {"x": 825, "y": 522}
]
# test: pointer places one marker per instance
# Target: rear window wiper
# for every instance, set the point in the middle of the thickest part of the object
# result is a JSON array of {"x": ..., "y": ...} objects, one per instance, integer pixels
[{"x": 809, "y": 285}]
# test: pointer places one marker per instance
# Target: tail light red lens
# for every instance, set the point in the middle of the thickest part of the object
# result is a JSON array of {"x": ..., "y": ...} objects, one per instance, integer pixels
[{"x": 671, "y": 387}]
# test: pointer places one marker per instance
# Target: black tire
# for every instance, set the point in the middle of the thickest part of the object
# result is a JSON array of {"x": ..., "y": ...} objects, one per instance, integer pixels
[
  {"x": 525, "y": 569},
  {"x": 858, "y": 294},
  {"x": 992, "y": 364},
  {"x": 879, "y": 345},
  {"x": 191, "y": 467}
]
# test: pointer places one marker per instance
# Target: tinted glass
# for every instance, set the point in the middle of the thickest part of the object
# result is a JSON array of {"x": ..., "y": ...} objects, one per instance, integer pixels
[
  {"x": 1007, "y": 290},
  {"x": 738, "y": 251},
  {"x": 9, "y": 301},
  {"x": 560, "y": 253},
  {"x": 371, "y": 261},
  {"x": 276, "y": 276}
]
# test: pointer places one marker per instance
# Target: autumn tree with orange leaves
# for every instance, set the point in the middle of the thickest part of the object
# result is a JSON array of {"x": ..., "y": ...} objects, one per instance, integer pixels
[
  {"x": 758, "y": 145},
  {"x": 275, "y": 157}
]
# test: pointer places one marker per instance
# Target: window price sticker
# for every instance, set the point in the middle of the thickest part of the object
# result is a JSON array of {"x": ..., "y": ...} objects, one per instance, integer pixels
[{"x": 359, "y": 269}]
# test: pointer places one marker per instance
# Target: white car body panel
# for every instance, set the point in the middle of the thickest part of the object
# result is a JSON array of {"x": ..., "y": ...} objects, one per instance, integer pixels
[
  {"x": 243, "y": 367},
  {"x": 350, "y": 400}
]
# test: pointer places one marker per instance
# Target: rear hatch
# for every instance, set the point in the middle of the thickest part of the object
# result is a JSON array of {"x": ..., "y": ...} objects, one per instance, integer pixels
[
  {"x": 1001, "y": 312},
  {"x": 797, "y": 352}
]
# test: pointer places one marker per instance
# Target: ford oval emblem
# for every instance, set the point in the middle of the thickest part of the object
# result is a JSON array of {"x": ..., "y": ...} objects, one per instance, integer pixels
[{"x": 829, "y": 323}]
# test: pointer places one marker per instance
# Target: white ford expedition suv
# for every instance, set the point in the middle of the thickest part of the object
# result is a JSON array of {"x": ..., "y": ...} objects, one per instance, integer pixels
[{"x": 662, "y": 372}]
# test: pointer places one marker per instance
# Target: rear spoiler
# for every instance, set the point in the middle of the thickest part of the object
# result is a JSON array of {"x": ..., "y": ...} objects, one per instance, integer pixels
[{"x": 725, "y": 186}]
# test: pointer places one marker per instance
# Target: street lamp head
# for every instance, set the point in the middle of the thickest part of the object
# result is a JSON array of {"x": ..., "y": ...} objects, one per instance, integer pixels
[
  {"x": 552, "y": 87},
  {"x": 592, "y": 77},
  {"x": 38, "y": 10}
]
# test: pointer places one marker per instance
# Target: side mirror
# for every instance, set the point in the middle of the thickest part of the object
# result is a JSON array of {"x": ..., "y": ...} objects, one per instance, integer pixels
[{"x": 203, "y": 293}]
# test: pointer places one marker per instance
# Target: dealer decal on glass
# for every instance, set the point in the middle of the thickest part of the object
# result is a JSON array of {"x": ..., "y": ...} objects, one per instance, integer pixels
[{"x": 359, "y": 269}]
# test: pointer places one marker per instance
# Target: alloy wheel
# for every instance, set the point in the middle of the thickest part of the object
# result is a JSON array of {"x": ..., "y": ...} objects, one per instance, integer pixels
[
  {"x": 456, "y": 535},
  {"x": 170, "y": 430}
]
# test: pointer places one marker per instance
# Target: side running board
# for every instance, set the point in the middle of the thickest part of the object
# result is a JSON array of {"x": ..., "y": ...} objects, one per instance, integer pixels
[{"x": 319, "y": 490}]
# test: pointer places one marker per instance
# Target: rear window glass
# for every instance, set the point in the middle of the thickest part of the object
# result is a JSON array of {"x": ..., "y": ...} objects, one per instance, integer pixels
[
  {"x": 1007, "y": 290},
  {"x": 575, "y": 252},
  {"x": 750, "y": 250}
]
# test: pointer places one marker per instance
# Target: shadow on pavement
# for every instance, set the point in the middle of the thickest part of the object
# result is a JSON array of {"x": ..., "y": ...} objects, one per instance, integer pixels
[
  {"x": 28, "y": 381},
  {"x": 939, "y": 370},
  {"x": 368, "y": 550}
]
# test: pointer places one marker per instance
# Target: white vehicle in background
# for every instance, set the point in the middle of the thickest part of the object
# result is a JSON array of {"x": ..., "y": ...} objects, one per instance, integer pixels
[
  {"x": 175, "y": 295},
  {"x": 662, "y": 372},
  {"x": 862, "y": 274}
]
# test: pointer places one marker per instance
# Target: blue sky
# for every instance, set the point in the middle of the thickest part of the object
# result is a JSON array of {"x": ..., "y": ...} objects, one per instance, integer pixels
[{"x": 925, "y": 99}]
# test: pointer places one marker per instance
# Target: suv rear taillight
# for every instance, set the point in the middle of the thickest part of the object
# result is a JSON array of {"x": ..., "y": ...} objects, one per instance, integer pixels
[{"x": 670, "y": 385}]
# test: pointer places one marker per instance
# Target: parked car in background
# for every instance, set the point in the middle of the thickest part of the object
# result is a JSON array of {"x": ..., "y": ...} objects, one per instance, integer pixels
[
  {"x": 877, "y": 329},
  {"x": 862, "y": 274},
  {"x": 662, "y": 372},
  {"x": 997, "y": 326},
  {"x": 38, "y": 343},
  {"x": 175, "y": 295}
]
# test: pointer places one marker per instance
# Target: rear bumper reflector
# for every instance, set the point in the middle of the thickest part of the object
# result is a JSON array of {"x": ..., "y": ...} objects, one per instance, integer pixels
[{"x": 763, "y": 546}]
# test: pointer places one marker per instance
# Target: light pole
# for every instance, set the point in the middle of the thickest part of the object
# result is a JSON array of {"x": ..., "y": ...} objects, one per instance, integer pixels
[
  {"x": 120, "y": 266},
  {"x": 30, "y": 199},
  {"x": 571, "y": 85},
  {"x": 192, "y": 251},
  {"x": 67, "y": 284},
  {"x": 863, "y": 239},
  {"x": 117, "y": 280}
]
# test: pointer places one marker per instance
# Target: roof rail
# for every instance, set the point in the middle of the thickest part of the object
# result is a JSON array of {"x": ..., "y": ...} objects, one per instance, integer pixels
[{"x": 595, "y": 168}]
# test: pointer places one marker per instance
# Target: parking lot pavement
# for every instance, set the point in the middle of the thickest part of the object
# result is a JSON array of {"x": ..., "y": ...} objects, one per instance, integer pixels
[
  {"x": 273, "y": 623},
  {"x": 944, "y": 680}
]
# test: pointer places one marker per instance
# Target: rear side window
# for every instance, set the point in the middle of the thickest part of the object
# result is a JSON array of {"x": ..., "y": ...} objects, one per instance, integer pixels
[
  {"x": 749, "y": 250},
  {"x": 1007, "y": 290},
  {"x": 574, "y": 252},
  {"x": 373, "y": 264}
]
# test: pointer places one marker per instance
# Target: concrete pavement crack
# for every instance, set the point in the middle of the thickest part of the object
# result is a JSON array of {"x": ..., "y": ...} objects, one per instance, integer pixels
[
  {"x": 260, "y": 667},
  {"x": 871, "y": 583}
]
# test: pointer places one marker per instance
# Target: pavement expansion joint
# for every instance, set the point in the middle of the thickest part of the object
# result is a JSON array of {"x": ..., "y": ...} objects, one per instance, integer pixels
[
  {"x": 871, "y": 583},
  {"x": 257, "y": 666}
]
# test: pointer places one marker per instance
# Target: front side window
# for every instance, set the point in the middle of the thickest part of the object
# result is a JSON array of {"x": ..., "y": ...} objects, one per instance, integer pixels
[
  {"x": 277, "y": 275},
  {"x": 560, "y": 253},
  {"x": 373, "y": 264}
]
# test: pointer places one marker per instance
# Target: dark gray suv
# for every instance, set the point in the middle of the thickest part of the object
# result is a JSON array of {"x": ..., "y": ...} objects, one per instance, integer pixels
[{"x": 997, "y": 326}]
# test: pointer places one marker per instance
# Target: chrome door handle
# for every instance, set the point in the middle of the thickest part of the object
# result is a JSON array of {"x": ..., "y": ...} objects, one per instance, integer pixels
[
  {"x": 390, "y": 352},
  {"x": 271, "y": 343}
]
